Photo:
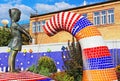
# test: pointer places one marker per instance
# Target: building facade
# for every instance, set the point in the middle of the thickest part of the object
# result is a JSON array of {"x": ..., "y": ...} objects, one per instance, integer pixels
[{"x": 105, "y": 16}]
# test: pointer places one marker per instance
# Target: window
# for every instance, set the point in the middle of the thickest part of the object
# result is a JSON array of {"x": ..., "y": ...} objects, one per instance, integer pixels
[
  {"x": 96, "y": 18},
  {"x": 104, "y": 17},
  {"x": 34, "y": 27},
  {"x": 110, "y": 16},
  {"x": 85, "y": 15},
  {"x": 42, "y": 23},
  {"x": 38, "y": 26}
]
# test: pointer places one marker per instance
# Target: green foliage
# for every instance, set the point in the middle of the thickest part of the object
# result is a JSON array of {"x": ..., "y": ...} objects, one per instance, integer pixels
[
  {"x": 46, "y": 62},
  {"x": 32, "y": 69},
  {"x": 25, "y": 39},
  {"x": 62, "y": 76},
  {"x": 44, "y": 71},
  {"x": 73, "y": 62},
  {"x": 118, "y": 72},
  {"x": 5, "y": 36},
  {"x": 45, "y": 66}
]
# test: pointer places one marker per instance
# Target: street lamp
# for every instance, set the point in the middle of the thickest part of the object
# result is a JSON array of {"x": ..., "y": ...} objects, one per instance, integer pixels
[{"x": 5, "y": 23}]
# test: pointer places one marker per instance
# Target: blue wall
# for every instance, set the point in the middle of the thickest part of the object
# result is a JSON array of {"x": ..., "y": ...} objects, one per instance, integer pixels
[{"x": 26, "y": 60}]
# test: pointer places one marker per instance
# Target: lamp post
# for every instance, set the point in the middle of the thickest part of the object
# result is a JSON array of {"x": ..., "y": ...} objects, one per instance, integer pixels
[{"x": 5, "y": 23}]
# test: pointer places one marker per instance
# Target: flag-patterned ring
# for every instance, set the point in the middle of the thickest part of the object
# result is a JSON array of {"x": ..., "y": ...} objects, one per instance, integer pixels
[
  {"x": 95, "y": 75},
  {"x": 81, "y": 23},
  {"x": 53, "y": 24},
  {"x": 99, "y": 63},
  {"x": 83, "y": 29},
  {"x": 56, "y": 22},
  {"x": 52, "y": 28},
  {"x": 88, "y": 42},
  {"x": 87, "y": 32},
  {"x": 62, "y": 21},
  {"x": 68, "y": 21},
  {"x": 49, "y": 28},
  {"x": 74, "y": 20},
  {"x": 96, "y": 52}
]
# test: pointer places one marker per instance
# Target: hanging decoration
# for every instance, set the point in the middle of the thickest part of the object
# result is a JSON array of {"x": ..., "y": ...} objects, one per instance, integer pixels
[
  {"x": 30, "y": 50},
  {"x": 48, "y": 50},
  {"x": 63, "y": 48},
  {"x": 24, "y": 51},
  {"x": 8, "y": 50}
]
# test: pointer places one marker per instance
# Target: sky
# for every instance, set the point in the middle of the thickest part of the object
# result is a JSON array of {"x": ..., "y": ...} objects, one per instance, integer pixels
[{"x": 28, "y": 7}]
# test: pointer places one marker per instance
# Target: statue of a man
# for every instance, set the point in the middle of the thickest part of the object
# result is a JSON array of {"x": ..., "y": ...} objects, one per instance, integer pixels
[{"x": 16, "y": 41}]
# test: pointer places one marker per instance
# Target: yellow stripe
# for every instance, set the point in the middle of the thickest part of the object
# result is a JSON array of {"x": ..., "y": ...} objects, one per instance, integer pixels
[
  {"x": 87, "y": 32},
  {"x": 99, "y": 75}
]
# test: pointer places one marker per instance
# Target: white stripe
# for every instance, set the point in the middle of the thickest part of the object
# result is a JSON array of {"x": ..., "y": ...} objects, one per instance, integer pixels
[
  {"x": 48, "y": 30},
  {"x": 90, "y": 42},
  {"x": 65, "y": 16},
  {"x": 60, "y": 19}
]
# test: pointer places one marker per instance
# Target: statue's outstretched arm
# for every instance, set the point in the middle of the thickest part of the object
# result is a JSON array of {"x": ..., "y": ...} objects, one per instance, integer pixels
[{"x": 24, "y": 32}]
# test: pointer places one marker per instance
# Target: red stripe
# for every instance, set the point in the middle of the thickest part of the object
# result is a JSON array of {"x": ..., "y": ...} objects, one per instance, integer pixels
[
  {"x": 96, "y": 52},
  {"x": 67, "y": 20},
  {"x": 55, "y": 23},
  {"x": 62, "y": 22},
  {"x": 71, "y": 21},
  {"x": 74, "y": 23},
  {"x": 58, "y": 20}
]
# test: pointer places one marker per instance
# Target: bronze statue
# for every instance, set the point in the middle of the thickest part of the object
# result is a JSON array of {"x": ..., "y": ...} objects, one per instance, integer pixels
[{"x": 16, "y": 41}]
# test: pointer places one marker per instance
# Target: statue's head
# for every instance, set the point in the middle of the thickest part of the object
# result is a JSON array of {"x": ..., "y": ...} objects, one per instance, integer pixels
[{"x": 15, "y": 14}]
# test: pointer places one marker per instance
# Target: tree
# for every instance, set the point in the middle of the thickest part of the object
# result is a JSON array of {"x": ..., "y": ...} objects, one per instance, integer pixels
[
  {"x": 73, "y": 61},
  {"x": 5, "y": 36}
]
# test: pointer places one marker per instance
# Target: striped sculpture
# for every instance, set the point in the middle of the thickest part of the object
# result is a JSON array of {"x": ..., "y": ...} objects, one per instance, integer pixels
[{"x": 97, "y": 60}]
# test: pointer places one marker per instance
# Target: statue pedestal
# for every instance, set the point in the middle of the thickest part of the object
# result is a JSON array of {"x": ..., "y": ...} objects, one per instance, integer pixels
[{"x": 22, "y": 76}]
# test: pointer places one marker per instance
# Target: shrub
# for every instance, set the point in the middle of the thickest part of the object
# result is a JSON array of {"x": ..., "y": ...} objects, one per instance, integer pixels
[
  {"x": 73, "y": 62},
  {"x": 118, "y": 72},
  {"x": 62, "y": 76},
  {"x": 46, "y": 62},
  {"x": 45, "y": 66}
]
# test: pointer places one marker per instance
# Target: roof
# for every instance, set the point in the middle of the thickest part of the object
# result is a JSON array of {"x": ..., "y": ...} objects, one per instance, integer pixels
[
  {"x": 109, "y": 1},
  {"x": 25, "y": 26}
]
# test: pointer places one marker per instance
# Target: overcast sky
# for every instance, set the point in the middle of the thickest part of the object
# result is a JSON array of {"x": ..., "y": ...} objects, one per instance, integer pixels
[{"x": 42, "y": 6}]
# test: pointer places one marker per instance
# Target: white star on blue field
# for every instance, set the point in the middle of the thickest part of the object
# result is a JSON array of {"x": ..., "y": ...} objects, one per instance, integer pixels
[{"x": 41, "y": 6}]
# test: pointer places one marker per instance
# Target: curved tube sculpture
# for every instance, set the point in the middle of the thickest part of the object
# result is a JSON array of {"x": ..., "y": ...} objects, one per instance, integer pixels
[{"x": 97, "y": 60}]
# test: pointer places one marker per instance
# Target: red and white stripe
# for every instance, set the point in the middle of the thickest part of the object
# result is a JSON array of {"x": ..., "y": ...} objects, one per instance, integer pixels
[{"x": 61, "y": 21}]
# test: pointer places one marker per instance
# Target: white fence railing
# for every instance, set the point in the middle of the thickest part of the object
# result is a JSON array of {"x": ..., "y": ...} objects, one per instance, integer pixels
[{"x": 57, "y": 46}]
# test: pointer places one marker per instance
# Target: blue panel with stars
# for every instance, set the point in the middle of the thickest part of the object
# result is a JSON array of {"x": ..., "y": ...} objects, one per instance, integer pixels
[{"x": 28, "y": 59}]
